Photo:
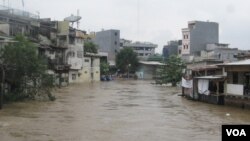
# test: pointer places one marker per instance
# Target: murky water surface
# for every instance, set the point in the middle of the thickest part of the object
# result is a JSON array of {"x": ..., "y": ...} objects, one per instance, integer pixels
[{"x": 117, "y": 111}]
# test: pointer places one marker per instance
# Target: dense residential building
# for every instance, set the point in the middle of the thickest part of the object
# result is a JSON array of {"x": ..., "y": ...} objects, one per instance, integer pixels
[
  {"x": 108, "y": 41},
  {"x": 220, "y": 52},
  {"x": 59, "y": 41},
  {"x": 197, "y": 36},
  {"x": 172, "y": 48},
  {"x": 143, "y": 49}
]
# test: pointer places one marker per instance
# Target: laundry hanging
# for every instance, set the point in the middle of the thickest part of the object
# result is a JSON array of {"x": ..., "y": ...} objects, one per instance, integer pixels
[{"x": 203, "y": 86}]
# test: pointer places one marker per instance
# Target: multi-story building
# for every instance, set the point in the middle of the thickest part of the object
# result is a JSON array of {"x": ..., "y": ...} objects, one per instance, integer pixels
[
  {"x": 197, "y": 36},
  {"x": 57, "y": 40},
  {"x": 143, "y": 49},
  {"x": 108, "y": 41},
  {"x": 172, "y": 48}
]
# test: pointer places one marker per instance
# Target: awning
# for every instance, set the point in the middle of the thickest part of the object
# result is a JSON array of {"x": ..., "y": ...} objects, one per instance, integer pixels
[{"x": 210, "y": 77}]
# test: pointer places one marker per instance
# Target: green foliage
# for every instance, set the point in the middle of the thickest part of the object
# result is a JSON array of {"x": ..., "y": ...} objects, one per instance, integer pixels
[
  {"x": 25, "y": 70},
  {"x": 90, "y": 47},
  {"x": 171, "y": 72},
  {"x": 104, "y": 67},
  {"x": 125, "y": 57}
]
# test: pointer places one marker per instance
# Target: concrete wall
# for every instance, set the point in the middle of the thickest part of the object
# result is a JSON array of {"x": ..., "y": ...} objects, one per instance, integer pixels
[
  {"x": 90, "y": 73},
  {"x": 203, "y": 33},
  {"x": 96, "y": 69},
  {"x": 63, "y": 28},
  {"x": 73, "y": 76},
  {"x": 198, "y": 35},
  {"x": 108, "y": 41},
  {"x": 85, "y": 72},
  {"x": 237, "y": 101},
  {"x": 5, "y": 28},
  {"x": 74, "y": 56},
  {"x": 235, "y": 89}
]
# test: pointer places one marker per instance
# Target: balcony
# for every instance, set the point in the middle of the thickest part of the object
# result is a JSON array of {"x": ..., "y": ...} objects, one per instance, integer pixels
[{"x": 58, "y": 65}]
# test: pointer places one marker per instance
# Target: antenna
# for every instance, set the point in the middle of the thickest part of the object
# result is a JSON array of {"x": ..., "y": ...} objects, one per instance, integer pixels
[
  {"x": 23, "y": 3},
  {"x": 72, "y": 19},
  {"x": 78, "y": 22}
]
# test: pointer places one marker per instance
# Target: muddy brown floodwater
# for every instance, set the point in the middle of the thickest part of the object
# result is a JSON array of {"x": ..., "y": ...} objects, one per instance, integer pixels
[{"x": 117, "y": 111}]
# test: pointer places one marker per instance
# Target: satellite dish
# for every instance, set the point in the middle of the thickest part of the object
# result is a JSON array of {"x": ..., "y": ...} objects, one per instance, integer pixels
[{"x": 73, "y": 18}]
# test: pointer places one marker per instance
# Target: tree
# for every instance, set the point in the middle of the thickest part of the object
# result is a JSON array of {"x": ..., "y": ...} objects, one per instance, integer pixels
[
  {"x": 126, "y": 60},
  {"x": 104, "y": 67},
  {"x": 25, "y": 71},
  {"x": 90, "y": 47},
  {"x": 172, "y": 71}
]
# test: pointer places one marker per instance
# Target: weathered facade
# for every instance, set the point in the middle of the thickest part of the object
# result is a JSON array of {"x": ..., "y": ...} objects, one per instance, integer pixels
[
  {"x": 147, "y": 69},
  {"x": 91, "y": 68},
  {"x": 108, "y": 41},
  {"x": 143, "y": 49},
  {"x": 57, "y": 40},
  {"x": 197, "y": 35},
  {"x": 237, "y": 85}
]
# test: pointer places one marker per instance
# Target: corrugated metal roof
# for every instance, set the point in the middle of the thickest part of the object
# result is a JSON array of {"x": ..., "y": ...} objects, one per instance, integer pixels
[
  {"x": 210, "y": 77},
  {"x": 151, "y": 63},
  {"x": 238, "y": 63}
]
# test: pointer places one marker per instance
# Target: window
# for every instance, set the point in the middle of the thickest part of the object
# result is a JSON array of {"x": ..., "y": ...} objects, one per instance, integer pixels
[
  {"x": 185, "y": 36},
  {"x": 115, "y": 33},
  {"x": 51, "y": 52},
  {"x": 86, "y": 60},
  {"x": 73, "y": 76},
  {"x": 115, "y": 43},
  {"x": 235, "y": 78},
  {"x": 71, "y": 54}
]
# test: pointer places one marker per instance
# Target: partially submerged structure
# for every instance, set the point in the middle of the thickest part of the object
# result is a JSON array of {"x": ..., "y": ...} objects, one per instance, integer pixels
[
  {"x": 147, "y": 69},
  {"x": 237, "y": 85},
  {"x": 59, "y": 41},
  {"x": 209, "y": 89}
]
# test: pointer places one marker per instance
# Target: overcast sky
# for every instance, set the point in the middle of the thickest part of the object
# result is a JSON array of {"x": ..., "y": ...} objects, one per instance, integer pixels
[{"x": 156, "y": 21}]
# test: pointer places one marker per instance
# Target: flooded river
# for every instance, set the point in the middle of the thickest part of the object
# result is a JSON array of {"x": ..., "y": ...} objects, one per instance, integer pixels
[{"x": 117, "y": 111}]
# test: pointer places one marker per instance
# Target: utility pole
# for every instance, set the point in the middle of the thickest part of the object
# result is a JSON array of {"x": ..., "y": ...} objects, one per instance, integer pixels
[{"x": 128, "y": 69}]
